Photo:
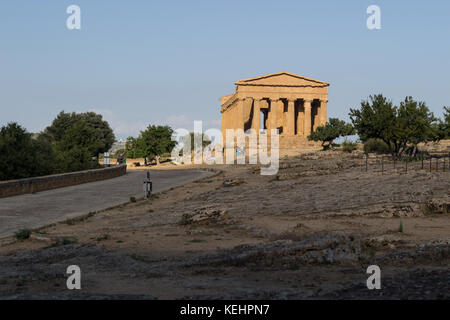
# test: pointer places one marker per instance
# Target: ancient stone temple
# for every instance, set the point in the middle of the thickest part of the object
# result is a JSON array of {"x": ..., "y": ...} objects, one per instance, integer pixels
[{"x": 293, "y": 104}]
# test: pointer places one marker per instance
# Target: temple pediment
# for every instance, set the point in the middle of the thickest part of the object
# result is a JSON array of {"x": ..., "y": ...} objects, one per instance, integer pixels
[
  {"x": 282, "y": 79},
  {"x": 292, "y": 104}
]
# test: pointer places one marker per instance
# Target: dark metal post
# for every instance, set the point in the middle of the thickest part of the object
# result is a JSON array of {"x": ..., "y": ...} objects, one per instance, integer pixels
[
  {"x": 395, "y": 160},
  {"x": 382, "y": 164},
  {"x": 148, "y": 186},
  {"x": 406, "y": 164},
  {"x": 422, "y": 161},
  {"x": 437, "y": 164}
]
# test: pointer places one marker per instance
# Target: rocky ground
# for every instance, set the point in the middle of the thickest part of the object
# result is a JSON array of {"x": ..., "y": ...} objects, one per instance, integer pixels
[{"x": 309, "y": 232}]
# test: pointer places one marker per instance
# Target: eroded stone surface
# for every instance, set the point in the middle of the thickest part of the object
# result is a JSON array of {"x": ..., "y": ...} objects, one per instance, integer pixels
[
  {"x": 309, "y": 233},
  {"x": 324, "y": 248}
]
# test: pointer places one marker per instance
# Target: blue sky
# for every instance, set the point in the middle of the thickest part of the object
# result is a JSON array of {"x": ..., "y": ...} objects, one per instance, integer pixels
[{"x": 168, "y": 62}]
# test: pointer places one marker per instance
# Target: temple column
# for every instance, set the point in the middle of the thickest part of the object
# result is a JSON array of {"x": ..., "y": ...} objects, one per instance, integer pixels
[
  {"x": 307, "y": 124},
  {"x": 247, "y": 109},
  {"x": 273, "y": 113},
  {"x": 240, "y": 114},
  {"x": 290, "y": 118},
  {"x": 323, "y": 112},
  {"x": 256, "y": 125}
]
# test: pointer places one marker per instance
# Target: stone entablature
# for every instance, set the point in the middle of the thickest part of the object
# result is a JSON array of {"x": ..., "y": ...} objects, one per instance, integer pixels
[{"x": 293, "y": 104}]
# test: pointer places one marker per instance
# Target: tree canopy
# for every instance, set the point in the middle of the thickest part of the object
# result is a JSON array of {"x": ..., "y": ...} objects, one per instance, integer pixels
[
  {"x": 153, "y": 141},
  {"x": 21, "y": 155},
  {"x": 332, "y": 130},
  {"x": 76, "y": 149},
  {"x": 71, "y": 143},
  {"x": 375, "y": 119},
  {"x": 102, "y": 136},
  {"x": 444, "y": 125},
  {"x": 399, "y": 127}
]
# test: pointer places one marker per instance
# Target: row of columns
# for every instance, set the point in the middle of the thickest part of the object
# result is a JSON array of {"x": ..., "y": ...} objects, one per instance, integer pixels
[{"x": 290, "y": 119}]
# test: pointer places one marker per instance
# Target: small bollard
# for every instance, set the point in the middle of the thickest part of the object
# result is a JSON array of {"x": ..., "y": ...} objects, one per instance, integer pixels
[{"x": 148, "y": 186}]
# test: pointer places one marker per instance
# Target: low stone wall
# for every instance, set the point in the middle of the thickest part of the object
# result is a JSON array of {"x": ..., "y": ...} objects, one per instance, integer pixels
[{"x": 31, "y": 185}]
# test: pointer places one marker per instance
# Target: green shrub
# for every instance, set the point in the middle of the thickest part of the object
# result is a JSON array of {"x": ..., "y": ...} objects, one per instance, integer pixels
[
  {"x": 400, "y": 227},
  {"x": 132, "y": 199},
  {"x": 348, "y": 146},
  {"x": 22, "y": 154},
  {"x": 104, "y": 237},
  {"x": 22, "y": 234},
  {"x": 375, "y": 146},
  {"x": 63, "y": 242},
  {"x": 332, "y": 130}
]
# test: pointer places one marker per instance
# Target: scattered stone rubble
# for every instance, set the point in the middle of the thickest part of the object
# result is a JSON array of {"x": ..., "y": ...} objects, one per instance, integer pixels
[
  {"x": 439, "y": 206},
  {"x": 322, "y": 248},
  {"x": 204, "y": 215}
]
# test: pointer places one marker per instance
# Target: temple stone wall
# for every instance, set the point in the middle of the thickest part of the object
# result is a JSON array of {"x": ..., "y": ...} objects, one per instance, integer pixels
[{"x": 292, "y": 104}]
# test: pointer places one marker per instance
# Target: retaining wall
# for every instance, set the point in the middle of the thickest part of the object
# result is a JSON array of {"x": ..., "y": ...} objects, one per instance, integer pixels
[{"x": 31, "y": 185}]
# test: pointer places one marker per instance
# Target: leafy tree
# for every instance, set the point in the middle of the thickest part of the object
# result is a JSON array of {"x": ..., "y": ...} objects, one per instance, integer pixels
[
  {"x": 102, "y": 131},
  {"x": 376, "y": 119},
  {"x": 69, "y": 144},
  {"x": 399, "y": 127},
  {"x": 44, "y": 157},
  {"x": 414, "y": 124},
  {"x": 334, "y": 129},
  {"x": 443, "y": 127},
  {"x": 102, "y": 134},
  {"x": 21, "y": 156},
  {"x": 201, "y": 136},
  {"x": 76, "y": 148},
  {"x": 153, "y": 141},
  {"x": 59, "y": 126},
  {"x": 133, "y": 148}
]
